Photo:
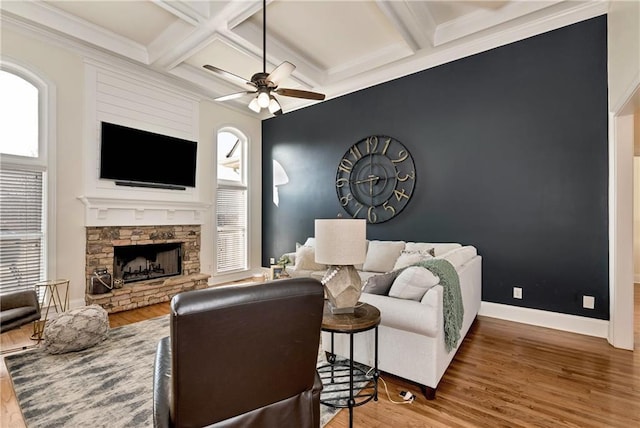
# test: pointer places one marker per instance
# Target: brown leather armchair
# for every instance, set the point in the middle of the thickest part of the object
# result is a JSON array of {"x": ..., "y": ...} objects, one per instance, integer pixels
[{"x": 241, "y": 356}]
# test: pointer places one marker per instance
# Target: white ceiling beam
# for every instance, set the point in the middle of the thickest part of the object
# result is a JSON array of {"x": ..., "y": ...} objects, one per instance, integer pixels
[
  {"x": 169, "y": 41},
  {"x": 202, "y": 34},
  {"x": 412, "y": 20},
  {"x": 56, "y": 19}
]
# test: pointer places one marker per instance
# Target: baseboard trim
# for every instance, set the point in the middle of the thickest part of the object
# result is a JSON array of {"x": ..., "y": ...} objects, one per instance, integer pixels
[{"x": 554, "y": 320}]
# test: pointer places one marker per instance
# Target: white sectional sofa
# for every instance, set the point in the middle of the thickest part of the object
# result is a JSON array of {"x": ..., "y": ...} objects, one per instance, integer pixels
[{"x": 411, "y": 341}]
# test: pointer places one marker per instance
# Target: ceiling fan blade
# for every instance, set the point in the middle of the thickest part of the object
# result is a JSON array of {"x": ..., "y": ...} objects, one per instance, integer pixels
[
  {"x": 297, "y": 93},
  {"x": 230, "y": 76},
  {"x": 234, "y": 96},
  {"x": 281, "y": 72}
]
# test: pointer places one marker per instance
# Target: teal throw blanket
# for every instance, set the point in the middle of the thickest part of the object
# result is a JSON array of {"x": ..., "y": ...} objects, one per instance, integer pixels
[{"x": 453, "y": 310}]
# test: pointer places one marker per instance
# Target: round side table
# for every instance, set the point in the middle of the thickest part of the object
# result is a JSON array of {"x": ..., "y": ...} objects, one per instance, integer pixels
[{"x": 339, "y": 377}]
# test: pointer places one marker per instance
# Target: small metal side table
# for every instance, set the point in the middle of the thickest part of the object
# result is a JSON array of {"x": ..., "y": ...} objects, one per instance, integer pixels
[
  {"x": 339, "y": 377},
  {"x": 50, "y": 295}
]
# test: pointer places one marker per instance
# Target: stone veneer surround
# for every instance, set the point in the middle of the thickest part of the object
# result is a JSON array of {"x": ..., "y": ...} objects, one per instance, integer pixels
[{"x": 99, "y": 254}]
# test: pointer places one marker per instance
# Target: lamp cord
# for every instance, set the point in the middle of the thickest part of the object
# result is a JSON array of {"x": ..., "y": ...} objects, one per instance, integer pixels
[{"x": 387, "y": 390}]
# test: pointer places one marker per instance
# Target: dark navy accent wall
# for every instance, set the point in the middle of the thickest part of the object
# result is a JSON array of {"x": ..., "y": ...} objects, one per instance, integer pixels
[{"x": 510, "y": 148}]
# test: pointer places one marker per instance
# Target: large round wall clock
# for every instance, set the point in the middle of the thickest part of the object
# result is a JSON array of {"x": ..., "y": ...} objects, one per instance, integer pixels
[{"x": 375, "y": 178}]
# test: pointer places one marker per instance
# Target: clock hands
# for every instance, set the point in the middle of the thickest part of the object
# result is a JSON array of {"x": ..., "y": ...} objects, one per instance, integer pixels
[{"x": 371, "y": 179}]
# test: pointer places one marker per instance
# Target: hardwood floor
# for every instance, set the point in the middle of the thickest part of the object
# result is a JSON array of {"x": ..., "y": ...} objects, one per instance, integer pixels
[{"x": 505, "y": 374}]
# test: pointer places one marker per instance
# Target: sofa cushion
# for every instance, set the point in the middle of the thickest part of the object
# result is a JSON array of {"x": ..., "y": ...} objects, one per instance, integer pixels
[
  {"x": 412, "y": 283},
  {"x": 306, "y": 259},
  {"x": 382, "y": 255},
  {"x": 380, "y": 284},
  {"x": 408, "y": 258},
  {"x": 439, "y": 248},
  {"x": 76, "y": 329},
  {"x": 459, "y": 256}
]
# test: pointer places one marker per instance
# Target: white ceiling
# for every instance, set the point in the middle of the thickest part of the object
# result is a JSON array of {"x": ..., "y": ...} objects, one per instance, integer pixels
[{"x": 338, "y": 46}]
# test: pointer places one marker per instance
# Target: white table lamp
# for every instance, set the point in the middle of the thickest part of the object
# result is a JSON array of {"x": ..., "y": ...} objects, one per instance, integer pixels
[{"x": 341, "y": 243}]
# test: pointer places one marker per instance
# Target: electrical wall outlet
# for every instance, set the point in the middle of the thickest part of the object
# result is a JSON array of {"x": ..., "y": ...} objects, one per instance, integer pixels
[
  {"x": 517, "y": 292},
  {"x": 272, "y": 261},
  {"x": 588, "y": 302}
]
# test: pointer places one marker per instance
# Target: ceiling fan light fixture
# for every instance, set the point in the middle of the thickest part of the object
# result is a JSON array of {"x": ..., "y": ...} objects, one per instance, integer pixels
[
  {"x": 263, "y": 99},
  {"x": 274, "y": 105},
  {"x": 253, "y": 105}
]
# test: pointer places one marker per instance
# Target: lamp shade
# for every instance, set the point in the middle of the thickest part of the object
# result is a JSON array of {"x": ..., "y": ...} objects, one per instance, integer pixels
[{"x": 340, "y": 242}]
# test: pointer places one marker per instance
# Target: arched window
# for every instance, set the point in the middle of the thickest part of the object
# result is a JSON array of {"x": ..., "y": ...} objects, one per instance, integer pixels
[
  {"x": 23, "y": 238},
  {"x": 231, "y": 201}
]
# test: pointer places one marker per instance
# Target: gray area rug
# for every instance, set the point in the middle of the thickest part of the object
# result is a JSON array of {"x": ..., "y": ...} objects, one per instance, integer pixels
[{"x": 108, "y": 385}]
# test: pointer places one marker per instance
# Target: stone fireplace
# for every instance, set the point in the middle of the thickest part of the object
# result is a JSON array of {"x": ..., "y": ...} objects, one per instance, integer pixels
[{"x": 154, "y": 263}]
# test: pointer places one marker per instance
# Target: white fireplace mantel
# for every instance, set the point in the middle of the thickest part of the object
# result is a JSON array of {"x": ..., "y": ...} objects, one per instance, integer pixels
[{"x": 101, "y": 211}]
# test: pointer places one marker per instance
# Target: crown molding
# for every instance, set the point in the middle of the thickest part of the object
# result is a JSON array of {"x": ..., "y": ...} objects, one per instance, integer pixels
[{"x": 484, "y": 19}]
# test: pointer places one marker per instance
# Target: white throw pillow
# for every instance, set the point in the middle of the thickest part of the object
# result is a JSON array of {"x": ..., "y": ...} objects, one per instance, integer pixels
[
  {"x": 306, "y": 259},
  {"x": 382, "y": 256},
  {"x": 407, "y": 258},
  {"x": 413, "y": 283}
]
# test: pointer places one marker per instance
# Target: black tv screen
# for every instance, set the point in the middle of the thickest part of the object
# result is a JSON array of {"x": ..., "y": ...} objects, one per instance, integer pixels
[{"x": 132, "y": 156}]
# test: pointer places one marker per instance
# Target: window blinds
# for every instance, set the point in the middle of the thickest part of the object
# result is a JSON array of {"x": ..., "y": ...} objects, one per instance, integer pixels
[
  {"x": 21, "y": 229},
  {"x": 231, "y": 212}
]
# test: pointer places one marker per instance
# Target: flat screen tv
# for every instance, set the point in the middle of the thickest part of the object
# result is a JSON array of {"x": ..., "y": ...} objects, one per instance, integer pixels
[{"x": 134, "y": 157}]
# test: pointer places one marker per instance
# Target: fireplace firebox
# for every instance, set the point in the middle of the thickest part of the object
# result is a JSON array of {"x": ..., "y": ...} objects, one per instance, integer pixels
[{"x": 141, "y": 262}]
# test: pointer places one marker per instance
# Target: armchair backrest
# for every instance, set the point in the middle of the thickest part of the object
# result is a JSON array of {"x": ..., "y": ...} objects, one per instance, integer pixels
[{"x": 241, "y": 347}]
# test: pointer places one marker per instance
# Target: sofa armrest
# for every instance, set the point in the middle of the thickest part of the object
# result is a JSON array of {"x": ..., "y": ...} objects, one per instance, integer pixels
[
  {"x": 292, "y": 257},
  {"x": 19, "y": 299},
  {"x": 162, "y": 385},
  {"x": 424, "y": 317}
]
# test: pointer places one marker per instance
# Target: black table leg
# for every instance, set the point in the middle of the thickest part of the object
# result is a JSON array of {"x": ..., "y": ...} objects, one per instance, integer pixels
[
  {"x": 376, "y": 373},
  {"x": 351, "y": 399}
]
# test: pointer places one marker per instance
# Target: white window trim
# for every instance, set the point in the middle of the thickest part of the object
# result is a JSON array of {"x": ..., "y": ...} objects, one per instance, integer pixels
[
  {"x": 46, "y": 160},
  {"x": 228, "y": 184}
]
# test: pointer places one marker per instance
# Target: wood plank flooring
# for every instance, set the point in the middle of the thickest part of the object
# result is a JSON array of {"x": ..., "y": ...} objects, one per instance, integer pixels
[{"x": 504, "y": 375}]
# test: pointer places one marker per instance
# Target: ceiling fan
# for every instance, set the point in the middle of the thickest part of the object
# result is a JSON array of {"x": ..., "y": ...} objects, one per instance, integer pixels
[{"x": 265, "y": 84}]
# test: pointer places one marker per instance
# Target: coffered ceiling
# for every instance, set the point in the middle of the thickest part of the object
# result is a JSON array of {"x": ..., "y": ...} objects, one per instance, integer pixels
[{"x": 337, "y": 46}]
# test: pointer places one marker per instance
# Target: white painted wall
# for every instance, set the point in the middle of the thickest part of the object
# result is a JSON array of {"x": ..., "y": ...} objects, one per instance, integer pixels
[
  {"x": 636, "y": 216},
  {"x": 67, "y": 70},
  {"x": 623, "y": 43}
]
